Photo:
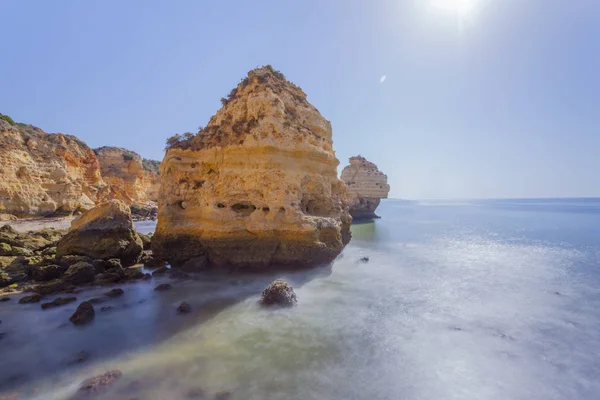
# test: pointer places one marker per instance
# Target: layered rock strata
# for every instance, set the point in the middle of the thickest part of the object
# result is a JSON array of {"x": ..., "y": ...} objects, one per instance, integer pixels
[
  {"x": 258, "y": 186},
  {"x": 366, "y": 187}
]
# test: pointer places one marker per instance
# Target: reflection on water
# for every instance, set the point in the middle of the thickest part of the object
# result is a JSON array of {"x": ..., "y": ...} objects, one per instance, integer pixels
[{"x": 455, "y": 303}]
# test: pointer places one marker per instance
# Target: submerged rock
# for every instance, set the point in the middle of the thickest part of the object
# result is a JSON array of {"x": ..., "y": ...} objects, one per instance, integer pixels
[
  {"x": 114, "y": 292},
  {"x": 84, "y": 314},
  {"x": 184, "y": 308},
  {"x": 33, "y": 298},
  {"x": 163, "y": 287},
  {"x": 279, "y": 292},
  {"x": 366, "y": 187},
  {"x": 100, "y": 382},
  {"x": 4, "y": 298},
  {"x": 58, "y": 302},
  {"x": 257, "y": 187},
  {"x": 104, "y": 232}
]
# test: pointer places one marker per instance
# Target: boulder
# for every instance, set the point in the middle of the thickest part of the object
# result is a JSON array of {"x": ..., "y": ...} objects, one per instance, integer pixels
[
  {"x": 84, "y": 314},
  {"x": 110, "y": 277},
  {"x": 80, "y": 273},
  {"x": 184, "y": 308},
  {"x": 196, "y": 264},
  {"x": 43, "y": 273},
  {"x": 257, "y": 188},
  {"x": 53, "y": 287},
  {"x": 104, "y": 232},
  {"x": 100, "y": 382},
  {"x": 69, "y": 260},
  {"x": 279, "y": 292},
  {"x": 33, "y": 298},
  {"x": 107, "y": 265},
  {"x": 8, "y": 217},
  {"x": 134, "y": 273},
  {"x": 153, "y": 262},
  {"x": 59, "y": 301},
  {"x": 160, "y": 271}
]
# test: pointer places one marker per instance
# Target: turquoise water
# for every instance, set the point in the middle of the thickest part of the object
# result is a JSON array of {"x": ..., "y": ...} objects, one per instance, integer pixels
[{"x": 459, "y": 300}]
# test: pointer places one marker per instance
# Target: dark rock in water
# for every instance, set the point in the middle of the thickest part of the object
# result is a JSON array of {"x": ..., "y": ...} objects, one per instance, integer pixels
[
  {"x": 196, "y": 264},
  {"x": 279, "y": 292},
  {"x": 80, "y": 273},
  {"x": 160, "y": 271},
  {"x": 147, "y": 277},
  {"x": 69, "y": 260},
  {"x": 80, "y": 357},
  {"x": 176, "y": 274},
  {"x": 58, "y": 302},
  {"x": 162, "y": 287},
  {"x": 364, "y": 260},
  {"x": 133, "y": 273},
  {"x": 4, "y": 298},
  {"x": 85, "y": 313},
  {"x": 97, "y": 300},
  {"x": 184, "y": 308},
  {"x": 34, "y": 298},
  {"x": 153, "y": 262},
  {"x": 44, "y": 273},
  {"x": 114, "y": 292},
  {"x": 223, "y": 396},
  {"x": 2, "y": 334},
  {"x": 111, "y": 277},
  {"x": 106, "y": 308},
  {"x": 52, "y": 287},
  {"x": 196, "y": 393},
  {"x": 100, "y": 382}
]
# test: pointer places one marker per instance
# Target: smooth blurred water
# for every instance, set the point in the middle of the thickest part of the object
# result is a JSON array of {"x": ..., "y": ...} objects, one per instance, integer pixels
[{"x": 462, "y": 300}]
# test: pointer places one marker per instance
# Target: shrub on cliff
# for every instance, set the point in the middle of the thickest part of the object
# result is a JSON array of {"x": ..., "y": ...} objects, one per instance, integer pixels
[
  {"x": 127, "y": 157},
  {"x": 7, "y": 119}
]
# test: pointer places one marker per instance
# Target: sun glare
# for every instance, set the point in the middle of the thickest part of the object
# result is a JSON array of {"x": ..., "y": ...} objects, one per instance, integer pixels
[{"x": 462, "y": 8}]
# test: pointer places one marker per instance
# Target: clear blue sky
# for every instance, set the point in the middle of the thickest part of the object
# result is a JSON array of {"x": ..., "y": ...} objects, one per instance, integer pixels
[{"x": 482, "y": 98}]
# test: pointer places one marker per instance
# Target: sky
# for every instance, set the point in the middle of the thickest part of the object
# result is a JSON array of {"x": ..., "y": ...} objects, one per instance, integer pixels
[{"x": 452, "y": 99}]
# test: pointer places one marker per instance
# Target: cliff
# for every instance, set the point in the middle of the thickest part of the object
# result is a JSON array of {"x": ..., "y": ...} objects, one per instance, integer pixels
[
  {"x": 43, "y": 173},
  {"x": 55, "y": 174},
  {"x": 366, "y": 187},
  {"x": 258, "y": 186},
  {"x": 132, "y": 180}
]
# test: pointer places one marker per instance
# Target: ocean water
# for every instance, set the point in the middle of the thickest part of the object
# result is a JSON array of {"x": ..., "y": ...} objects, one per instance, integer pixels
[{"x": 495, "y": 299}]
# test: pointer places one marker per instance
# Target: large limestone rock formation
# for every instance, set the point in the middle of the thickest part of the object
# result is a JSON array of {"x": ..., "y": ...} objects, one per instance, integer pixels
[
  {"x": 103, "y": 232},
  {"x": 131, "y": 180},
  {"x": 366, "y": 187},
  {"x": 44, "y": 173},
  {"x": 258, "y": 186}
]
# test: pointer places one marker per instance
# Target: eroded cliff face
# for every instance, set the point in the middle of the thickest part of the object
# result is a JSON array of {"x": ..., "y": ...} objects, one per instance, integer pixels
[
  {"x": 43, "y": 173},
  {"x": 258, "y": 186},
  {"x": 366, "y": 187},
  {"x": 131, "y": 180}
]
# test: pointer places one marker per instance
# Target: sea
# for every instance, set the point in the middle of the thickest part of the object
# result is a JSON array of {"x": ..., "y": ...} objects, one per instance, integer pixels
[{"x": 487, "y": 299}]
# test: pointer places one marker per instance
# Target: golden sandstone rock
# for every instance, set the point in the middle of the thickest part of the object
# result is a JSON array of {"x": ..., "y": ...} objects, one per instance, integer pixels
[
  {"x": 258, "y": 186},
  {"x": 366, "y": 187},
  {"x": 43, "y": 173}
]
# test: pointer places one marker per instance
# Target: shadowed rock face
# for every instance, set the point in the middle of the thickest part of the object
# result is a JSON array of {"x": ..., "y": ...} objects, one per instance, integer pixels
[
  {"x": 258, "y": 186},
  {"x": 366, "y": 187}
]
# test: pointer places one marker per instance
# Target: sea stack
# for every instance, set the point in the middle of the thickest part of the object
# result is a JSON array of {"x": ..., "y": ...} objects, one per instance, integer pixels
[
  {"x": 366, "y": 187},
  {"x": 257, "y": 187}
]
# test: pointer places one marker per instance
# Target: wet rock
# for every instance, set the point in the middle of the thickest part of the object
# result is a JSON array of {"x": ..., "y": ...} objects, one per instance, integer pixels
[
  {"x": 184, "y": 308},
  {"x": 104, "y": 232},
  {"x": 18, "y": 270},
  {"x": 44, "y": 273},
  {"x": 58, "y": 302},
  {"x": 100, "y": 382},
  {"x": 79, "y": 358},
  {"x": 20, "y": 251},
  {"x": 5, "y": 279},
  {"x": 4, "y": 298},
  {"x": 80, "y": 273},
  {"x": 279, "y": 292},
  {"x": 69, "y": 260},
  {"x": 5, "y": 249},
  {"x": 49, "y": 251},
  {"x": 53, "y": 287},
  {"x": 196, "y": 264},
  {"x": 114, "y": 292},
  {"x": 223, "y": 396},
  {"x": 34, "y": 298},
  {"x": 111, "y": 277},
  {"x": 153, "y": 262},
  {"x": 84, "y": 314},
  {"x": 163, "y": 287},
  {"x": 133, "y": 273},
  {"x": 97, "y": 300},
  {"x": 106, "y": 308},
  {"x": 160, "y": 271},
  {"x": 364, "y": 260}
]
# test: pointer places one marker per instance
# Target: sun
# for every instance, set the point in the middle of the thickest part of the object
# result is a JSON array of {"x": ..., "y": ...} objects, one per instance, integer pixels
[{"x": 462, "y": 8}]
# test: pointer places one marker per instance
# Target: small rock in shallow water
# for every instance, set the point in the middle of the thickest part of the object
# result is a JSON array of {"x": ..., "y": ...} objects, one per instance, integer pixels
[
  {"x": 114, "y": 292},
  {"x": 79, "y": 358},
  {"x": 184, "y": 308},
  {"x": 100, "y": 382},
  {"x": 85, "y": 313},
  {"x": 4, "y": 298},
  {"x": 162, "y": 287},
  {"x": 279, "y": 292},
  {"x": 106, "y": 308},
  {"x": 364, "y": 260},
  {"x": 58, "y": 302},
  {"x": 34, "y": 298},
  {"x": 97, "y": 300}
]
